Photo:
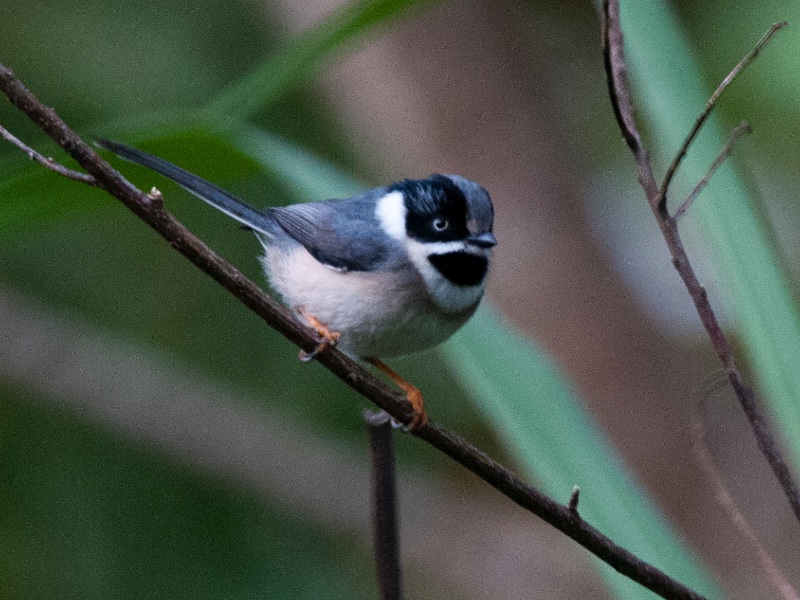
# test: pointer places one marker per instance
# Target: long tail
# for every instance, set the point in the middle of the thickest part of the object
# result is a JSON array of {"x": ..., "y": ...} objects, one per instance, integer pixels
[{"x": 206, "y": 191}]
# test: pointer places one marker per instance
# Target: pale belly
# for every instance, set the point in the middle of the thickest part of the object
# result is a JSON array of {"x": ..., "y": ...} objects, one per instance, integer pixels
[{"x": 377, "y": 314}]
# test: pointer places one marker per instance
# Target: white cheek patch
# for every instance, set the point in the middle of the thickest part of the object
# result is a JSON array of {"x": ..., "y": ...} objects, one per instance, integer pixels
[
  {"x": 391, "y": 212},
  {"x": 444, "y": 247},
  {"x": 447, "y": 295}
]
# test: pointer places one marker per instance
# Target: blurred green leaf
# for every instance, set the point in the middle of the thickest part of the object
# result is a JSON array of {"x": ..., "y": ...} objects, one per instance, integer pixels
[
  {"x": 297, "y": 62},
  {"x": 86, "y": 515},
  {"x": 308, "y": 176},
  {"x": 545, "y": 428},
  {"x": 756, "y": 294},
  {"x": 35, "y": 196}
]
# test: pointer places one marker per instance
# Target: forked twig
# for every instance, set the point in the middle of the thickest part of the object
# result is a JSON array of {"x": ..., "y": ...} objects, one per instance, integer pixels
[
  {"x": 712, "y": 102},
  {"x": 151, "y": 210},
  {"x": 616, "y": 72},
  {"x": 727, "y": 148}
]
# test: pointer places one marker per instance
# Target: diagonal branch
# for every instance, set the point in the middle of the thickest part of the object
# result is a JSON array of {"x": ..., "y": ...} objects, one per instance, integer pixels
[
  {"x": 150, "y": 209},
  {"x": 623, "y": 108}
]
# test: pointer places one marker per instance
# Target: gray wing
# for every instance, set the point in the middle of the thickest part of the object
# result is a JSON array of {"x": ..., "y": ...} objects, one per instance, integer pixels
[{"x": 343, "y": 234}]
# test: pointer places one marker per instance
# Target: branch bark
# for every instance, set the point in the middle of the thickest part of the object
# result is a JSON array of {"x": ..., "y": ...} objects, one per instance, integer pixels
[
  {"x": 150, "y": 209},
  {"x": 384, "y": 506},
  {"x": 619, "y": 89}
]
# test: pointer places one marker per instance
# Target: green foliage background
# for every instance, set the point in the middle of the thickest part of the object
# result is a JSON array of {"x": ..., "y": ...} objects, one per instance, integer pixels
[{"x": 89, "y": 513}]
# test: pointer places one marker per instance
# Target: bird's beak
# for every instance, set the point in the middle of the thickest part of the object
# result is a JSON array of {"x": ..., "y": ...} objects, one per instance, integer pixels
[{"x": 484, "y": 240}]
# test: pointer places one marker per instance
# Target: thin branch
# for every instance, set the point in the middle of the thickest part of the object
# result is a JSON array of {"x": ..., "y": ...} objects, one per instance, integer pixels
[
  {"x": 152, "y": 212},
  {"x": 712, "y": 102},
  {"x": 623, "y": 108},
  {"x": 384, "y": 505},
  {"x": 619, "y": 90},
  {"x": 728, "y": 506},
  {"x": 46, "y": 160},
  {"x": 740, "y": 130}
]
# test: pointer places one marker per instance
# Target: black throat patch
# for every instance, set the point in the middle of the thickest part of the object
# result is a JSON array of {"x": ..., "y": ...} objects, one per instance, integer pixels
[{"x": 461, "y": 268}]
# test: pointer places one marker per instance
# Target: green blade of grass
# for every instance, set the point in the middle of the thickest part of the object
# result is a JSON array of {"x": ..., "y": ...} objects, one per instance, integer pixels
[
  {"x": 302, "y": 56},
  {"x": 308, "y": 176},
  {"x": 33, "y": 197},
  {"x": 107, "y": 518},
  {"x": 756, "y": 294}
]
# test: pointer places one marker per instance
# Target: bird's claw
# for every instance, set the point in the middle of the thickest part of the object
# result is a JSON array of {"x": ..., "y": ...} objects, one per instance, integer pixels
[
  {"x": 325, "y": 336},
  {"x": 414, "y": 396}
]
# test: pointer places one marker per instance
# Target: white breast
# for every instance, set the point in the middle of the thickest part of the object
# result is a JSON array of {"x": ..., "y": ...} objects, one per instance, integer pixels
[{"x": 379, "y": 314}]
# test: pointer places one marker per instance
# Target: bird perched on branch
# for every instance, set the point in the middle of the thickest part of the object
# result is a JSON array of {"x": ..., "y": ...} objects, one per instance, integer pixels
[{"x": 388, "y": 272}]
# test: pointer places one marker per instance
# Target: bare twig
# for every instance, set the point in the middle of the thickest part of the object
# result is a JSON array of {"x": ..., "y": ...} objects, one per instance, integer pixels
[
  {"x": 152, "y": 212},
  {"x": 574, "y": 498},
  {"x": 712, "y": 101},
  {"x": 623, "y": 109},
  {"x": 728, "y": 506},
  {"x": 384, "y": 505},
  {"x": 727, "y": 148},
  {"x": 46, "y": 160}
]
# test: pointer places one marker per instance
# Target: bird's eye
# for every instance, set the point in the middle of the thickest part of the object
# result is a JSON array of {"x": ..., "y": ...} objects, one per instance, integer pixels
[{"x": 440, "y": 224}]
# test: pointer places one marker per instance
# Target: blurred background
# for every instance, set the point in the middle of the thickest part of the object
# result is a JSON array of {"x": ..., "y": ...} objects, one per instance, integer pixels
[{"x": 159, "y": 442}]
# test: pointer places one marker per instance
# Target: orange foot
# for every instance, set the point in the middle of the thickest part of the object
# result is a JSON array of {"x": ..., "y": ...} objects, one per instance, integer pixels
[
  {"x": 326, "y": 336},
  {"x": 413, "y": 394}
]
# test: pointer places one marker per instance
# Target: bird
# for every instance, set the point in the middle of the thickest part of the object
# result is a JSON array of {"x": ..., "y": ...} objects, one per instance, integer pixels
[{"x": 388, "y": 272}]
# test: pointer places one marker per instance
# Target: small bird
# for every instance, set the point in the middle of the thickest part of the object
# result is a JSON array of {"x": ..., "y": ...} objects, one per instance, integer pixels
[{"x": 389, "y": 272}]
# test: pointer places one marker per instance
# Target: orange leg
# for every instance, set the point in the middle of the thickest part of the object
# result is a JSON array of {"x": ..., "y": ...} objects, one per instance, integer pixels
[
  {"x": 413, "y": 394},
  {"x": 326, "y": 336}
]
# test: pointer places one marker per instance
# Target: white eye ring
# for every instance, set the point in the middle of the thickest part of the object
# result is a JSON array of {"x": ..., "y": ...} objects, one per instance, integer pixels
[{"x": 440, "y": 224}]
